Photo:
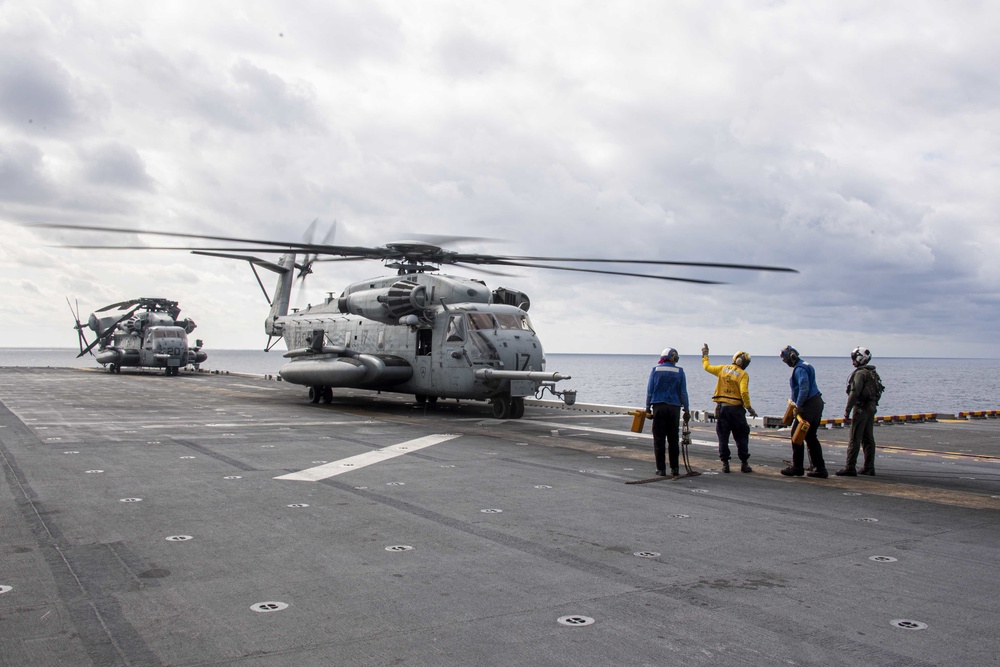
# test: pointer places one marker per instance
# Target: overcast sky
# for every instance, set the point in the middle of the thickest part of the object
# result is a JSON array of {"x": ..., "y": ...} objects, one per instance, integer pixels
[{"x": 854, "y": 141}]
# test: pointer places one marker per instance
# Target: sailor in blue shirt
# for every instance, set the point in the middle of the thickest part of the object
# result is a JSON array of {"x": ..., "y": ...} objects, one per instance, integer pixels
[
  {"x": 666, "y": 394},
  {"x": 809, "y": 404}
]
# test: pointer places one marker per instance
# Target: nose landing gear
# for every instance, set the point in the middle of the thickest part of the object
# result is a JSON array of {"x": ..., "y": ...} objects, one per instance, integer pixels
[{"x": 506, "y": 407}]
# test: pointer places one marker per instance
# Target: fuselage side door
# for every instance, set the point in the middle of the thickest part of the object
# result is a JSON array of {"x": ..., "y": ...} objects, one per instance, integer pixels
[
  {"x": 424, "y": 360},
  {"x": 457, "y": 373},
  {"x": 146, "y": 351}
]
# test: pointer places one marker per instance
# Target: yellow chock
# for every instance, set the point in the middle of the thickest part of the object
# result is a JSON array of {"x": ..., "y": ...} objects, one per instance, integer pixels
[
  {"x": 800, "y": 430},
  {"x": 638, "y": 420}
]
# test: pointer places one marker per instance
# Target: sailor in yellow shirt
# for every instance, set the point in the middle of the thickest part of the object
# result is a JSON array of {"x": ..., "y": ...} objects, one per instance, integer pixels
[{"x": 732, "y": 398}]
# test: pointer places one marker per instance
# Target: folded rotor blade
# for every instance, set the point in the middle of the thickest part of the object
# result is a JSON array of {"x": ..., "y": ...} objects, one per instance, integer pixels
[
  {"x": 107, "y": 332},
  {"x": 121, "y": 305}
]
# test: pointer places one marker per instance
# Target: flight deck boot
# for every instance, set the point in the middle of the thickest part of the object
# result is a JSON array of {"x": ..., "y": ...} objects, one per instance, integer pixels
[
  {"x": 850, "y": 471},
  {"x": 867, "y": 471}
]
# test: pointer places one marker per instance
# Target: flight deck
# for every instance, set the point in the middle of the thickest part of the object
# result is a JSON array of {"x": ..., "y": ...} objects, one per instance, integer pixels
[{"x": 213, "y": 519}]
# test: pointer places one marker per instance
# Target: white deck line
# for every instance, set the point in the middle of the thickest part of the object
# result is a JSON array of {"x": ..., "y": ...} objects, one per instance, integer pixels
[{"x": 334, "y": 468}]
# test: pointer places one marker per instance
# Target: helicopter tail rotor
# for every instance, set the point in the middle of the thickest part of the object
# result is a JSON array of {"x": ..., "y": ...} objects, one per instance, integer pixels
[
  {"x": 305, "y": 267},
  {"x": 81, "y": 338}
]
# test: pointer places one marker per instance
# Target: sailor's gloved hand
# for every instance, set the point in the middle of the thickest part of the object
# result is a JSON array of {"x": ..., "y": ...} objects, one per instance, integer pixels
[
  {"x": 704, "y": 350},
  {"x": 687, "y": 416},
  {"x": 753, "y": 413},
  {"x": 847, "y": 414}
]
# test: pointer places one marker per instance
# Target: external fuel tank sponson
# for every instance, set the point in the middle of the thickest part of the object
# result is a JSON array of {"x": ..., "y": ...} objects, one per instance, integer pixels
[{"x": 363, "y": 369}]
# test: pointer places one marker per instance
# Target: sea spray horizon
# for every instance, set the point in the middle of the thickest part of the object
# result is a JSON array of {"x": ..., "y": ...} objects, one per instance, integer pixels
[{"x": 912, "y": 384}]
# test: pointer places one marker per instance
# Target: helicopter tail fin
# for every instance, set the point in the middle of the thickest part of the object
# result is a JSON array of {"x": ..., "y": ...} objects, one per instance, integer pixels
[{"x": 282, "y": 295}]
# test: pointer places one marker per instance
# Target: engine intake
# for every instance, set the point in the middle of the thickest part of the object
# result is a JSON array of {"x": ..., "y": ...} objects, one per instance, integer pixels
[{"x": 387, "y": 304}]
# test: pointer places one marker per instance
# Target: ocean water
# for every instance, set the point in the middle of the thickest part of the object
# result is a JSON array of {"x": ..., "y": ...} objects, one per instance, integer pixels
[{"x": 912, "y": 385}]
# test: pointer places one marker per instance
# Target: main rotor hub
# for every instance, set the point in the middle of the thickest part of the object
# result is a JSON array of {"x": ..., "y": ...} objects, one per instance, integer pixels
[{"x": 417, "y": 256}]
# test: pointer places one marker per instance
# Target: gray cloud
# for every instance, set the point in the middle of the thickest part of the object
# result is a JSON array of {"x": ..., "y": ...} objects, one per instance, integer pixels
[
  {"x": 22, "y": 174},
  {"x": 115, "y": 165},
  {"x": 35, "y": 90},
  {"x": 853, "y": 142}
]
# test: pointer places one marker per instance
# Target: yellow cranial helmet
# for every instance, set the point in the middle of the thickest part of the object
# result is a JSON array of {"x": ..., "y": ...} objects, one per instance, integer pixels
[{"x": 742, "y": 359}]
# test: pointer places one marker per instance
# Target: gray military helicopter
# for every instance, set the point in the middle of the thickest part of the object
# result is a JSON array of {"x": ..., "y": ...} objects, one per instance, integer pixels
[
  {"x": 417, "y": 332},
  {"x": 151, "y": 334}
]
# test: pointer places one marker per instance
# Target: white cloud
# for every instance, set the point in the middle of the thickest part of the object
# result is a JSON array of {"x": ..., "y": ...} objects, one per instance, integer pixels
[{"x": 852, "y": 141}]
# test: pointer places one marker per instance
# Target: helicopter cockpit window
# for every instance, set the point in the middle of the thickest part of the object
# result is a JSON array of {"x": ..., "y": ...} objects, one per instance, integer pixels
[
  {"x": 481, "y": 321},
  {"x": 456, "y": 329},
  {"x": 169, "y": 333},
  {"x": 508, "y": 321},
  {"x": 526, "y": 323}
]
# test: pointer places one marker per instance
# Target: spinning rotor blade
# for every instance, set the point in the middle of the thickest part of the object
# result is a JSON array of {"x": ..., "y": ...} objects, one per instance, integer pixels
[
  {"x": 270, "y": 266},
  {"x": 440, "y": 239},
  {"x": 361, "y": 251},
  {"x": 508, "y": 259},
  {"x": 475, "y": 267},
  {"x": 418, "y": 255},
  {"x": 614, "y": 273}
]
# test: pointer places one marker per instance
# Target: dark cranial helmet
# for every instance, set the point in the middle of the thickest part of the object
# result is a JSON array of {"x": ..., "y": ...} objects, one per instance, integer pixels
[
  {"x": 861, "y": 356},
  {"x": 670, "y": 354},
  {"x": 790, "y": 355},
  {"x": 742, "y": 359}
]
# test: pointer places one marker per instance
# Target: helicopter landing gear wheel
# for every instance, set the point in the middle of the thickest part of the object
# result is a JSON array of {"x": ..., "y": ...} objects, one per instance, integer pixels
[
  {"x": 432, "y": 400},
  {"x": 315, "y": 393},
  {"x": 421, "y": 398},
  {"x": 327, "y": 395},
  {"x": 516, "y": 408},
  {"x": 501, "y": 407},
  {"x": 111, "y": 368}
]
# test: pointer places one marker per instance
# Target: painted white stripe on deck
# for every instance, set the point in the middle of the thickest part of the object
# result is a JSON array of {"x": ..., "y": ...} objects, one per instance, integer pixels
[
  {"x": 328, "y": 470},
  {"x": 608, "y": 431}
]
